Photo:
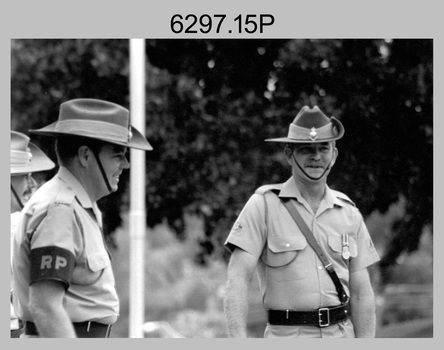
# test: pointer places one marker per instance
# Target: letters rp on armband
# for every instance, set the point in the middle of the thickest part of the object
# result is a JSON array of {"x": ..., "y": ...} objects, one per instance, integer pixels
[
  {"x": 221, "y": 24},
  {"x": 51, "y": 263}
]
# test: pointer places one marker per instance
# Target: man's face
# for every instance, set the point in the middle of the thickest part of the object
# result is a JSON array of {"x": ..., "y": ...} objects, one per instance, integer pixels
[
  {"x": 24, "y": 185},
  {"x": 113, "y": 159},
  {"x": 314, "y": 158}
]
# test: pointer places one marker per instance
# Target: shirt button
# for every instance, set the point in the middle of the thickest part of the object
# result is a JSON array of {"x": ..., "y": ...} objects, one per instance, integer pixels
[
  {"x": 323, "y": 293},
  {"x": 320, "y": 267},
  {"x": 287, "y": 245}
]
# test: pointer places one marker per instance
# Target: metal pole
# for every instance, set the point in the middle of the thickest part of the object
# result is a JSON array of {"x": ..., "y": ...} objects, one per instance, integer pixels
[{"x": 137, "y": 214}]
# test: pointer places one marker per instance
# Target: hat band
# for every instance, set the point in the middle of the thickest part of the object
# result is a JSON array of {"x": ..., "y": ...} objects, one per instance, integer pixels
[
  {"x": 94, "y": 129},
  {"x": 20, "y": 158},
  {"x": 313, "y": 134}
]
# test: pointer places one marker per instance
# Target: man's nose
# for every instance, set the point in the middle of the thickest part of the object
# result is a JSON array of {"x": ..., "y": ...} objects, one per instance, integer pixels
[
  {"x": 125, "y": 163},
  {"x": 316, "y": 154},
  {"x": 31, "y": 182}
]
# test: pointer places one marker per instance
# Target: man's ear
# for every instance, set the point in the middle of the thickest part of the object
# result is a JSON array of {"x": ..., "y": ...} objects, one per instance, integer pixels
[
  {"x": 335, "y": 156},
  {"x": 84, "y": 154},
  {"x": 288, "y": 152}
]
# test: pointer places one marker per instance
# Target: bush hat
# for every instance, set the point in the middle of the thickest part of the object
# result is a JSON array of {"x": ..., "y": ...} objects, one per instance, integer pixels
[
  {"x": 311, "y": 125},
  {"x": 27, "y": 157},
  {"x": 97, "y": 119}
]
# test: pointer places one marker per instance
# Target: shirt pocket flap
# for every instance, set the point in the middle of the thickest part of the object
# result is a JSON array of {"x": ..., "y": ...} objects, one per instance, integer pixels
[
  {"x": 335, "y": 244},
  {"x": 286, "y": 244},
  {"x": 98, "y": 261},
  {"x": 282, "y": 251}
]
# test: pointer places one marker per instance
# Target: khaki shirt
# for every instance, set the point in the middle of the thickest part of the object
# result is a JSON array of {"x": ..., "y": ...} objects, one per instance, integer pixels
[
  {"x": 14, "y": 319},
  {"x": 298, "y": 279},
  {"x": 59, "y": 237}
]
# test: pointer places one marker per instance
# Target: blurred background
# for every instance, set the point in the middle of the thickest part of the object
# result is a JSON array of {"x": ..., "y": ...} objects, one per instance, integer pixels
[{"x": 209, "y": 106}]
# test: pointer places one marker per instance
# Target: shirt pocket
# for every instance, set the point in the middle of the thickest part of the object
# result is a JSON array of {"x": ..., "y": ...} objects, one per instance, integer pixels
[
  {"x": 335, "y": 243},
  {"x": 282, "y": 255},
  {"x": 93, "y": 268},
  {"x": 98, "y": 261}
]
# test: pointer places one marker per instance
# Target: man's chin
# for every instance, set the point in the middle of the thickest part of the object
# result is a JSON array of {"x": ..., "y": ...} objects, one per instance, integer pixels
[
  {"x": 314, "y": 172},
  {"x": 114, "y": 184}
]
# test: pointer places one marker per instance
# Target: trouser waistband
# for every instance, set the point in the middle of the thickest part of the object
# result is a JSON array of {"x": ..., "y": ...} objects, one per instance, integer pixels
[{"x": 86, "y": 329}]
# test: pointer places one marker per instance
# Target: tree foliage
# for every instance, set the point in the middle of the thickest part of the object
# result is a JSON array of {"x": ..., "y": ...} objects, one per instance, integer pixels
[{"x": 211, "y": 103}]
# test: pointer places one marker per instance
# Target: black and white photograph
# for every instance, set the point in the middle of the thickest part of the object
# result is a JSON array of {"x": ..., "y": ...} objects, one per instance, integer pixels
[{"x": 222, "y": 180}]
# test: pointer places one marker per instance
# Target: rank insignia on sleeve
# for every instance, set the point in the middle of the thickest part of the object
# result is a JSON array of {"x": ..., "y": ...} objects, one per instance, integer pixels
[{"x": 238, "y": 226}]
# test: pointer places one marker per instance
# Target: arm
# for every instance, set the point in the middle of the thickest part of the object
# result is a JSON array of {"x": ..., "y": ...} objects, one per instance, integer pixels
[
  {"x": 46, "y": 305},
  {"x": 240, "y": 271},
  {"x": 362, "y": 302}
]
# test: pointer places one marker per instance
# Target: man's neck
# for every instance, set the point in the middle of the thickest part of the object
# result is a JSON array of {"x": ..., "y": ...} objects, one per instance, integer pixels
[
  {"x": 312, "y": 191},
  {"x": 84, "y": 178}
]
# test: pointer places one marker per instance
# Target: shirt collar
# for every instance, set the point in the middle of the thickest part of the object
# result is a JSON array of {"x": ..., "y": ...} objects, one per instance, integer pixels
[
  {"x": 331, "y": 198},
  {"x": 74, "y": 185},
  {"x": 291, "y": 190}
]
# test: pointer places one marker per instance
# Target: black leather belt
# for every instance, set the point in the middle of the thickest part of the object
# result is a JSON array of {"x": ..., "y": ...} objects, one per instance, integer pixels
[
  {"x": 322, "y": 317},
  {"x": 83, "y": 329},
  {"x": 16, "y": 333}
]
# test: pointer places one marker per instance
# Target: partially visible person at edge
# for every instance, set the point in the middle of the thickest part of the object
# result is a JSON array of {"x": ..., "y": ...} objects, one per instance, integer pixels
[
  {"x": 26, "y": 159},
  {"x": 297, "y": 291},
  {"x": 63, "y": 280}
]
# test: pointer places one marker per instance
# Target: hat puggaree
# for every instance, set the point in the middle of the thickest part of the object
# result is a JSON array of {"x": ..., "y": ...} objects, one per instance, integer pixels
[
  {"x": 311, "y": 125},
  {"x": 97, "y": 119},
  {"x": 27, "y": 157}
]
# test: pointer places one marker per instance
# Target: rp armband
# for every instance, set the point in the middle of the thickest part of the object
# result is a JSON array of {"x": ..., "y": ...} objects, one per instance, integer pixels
[{"x": 52, "y": 263}]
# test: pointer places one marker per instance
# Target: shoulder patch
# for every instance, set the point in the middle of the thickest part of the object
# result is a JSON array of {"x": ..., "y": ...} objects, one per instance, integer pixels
[
  {"x": 343, "y": 197},
  {"x": 268, "y": 188}
]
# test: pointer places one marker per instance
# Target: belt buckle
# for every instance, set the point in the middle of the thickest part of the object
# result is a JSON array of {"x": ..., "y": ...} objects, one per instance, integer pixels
[{"x": 321, "y": 322}]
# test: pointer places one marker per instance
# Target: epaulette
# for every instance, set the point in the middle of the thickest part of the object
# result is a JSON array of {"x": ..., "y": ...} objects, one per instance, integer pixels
[
  {"x": 267, "y": 188},
  {"x": 65, "y": 196},
  {"x": 343, "y": 197}
]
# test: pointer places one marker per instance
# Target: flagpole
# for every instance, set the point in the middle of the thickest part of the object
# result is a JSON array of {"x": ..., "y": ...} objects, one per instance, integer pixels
[{"x": 137, "y": 214}]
